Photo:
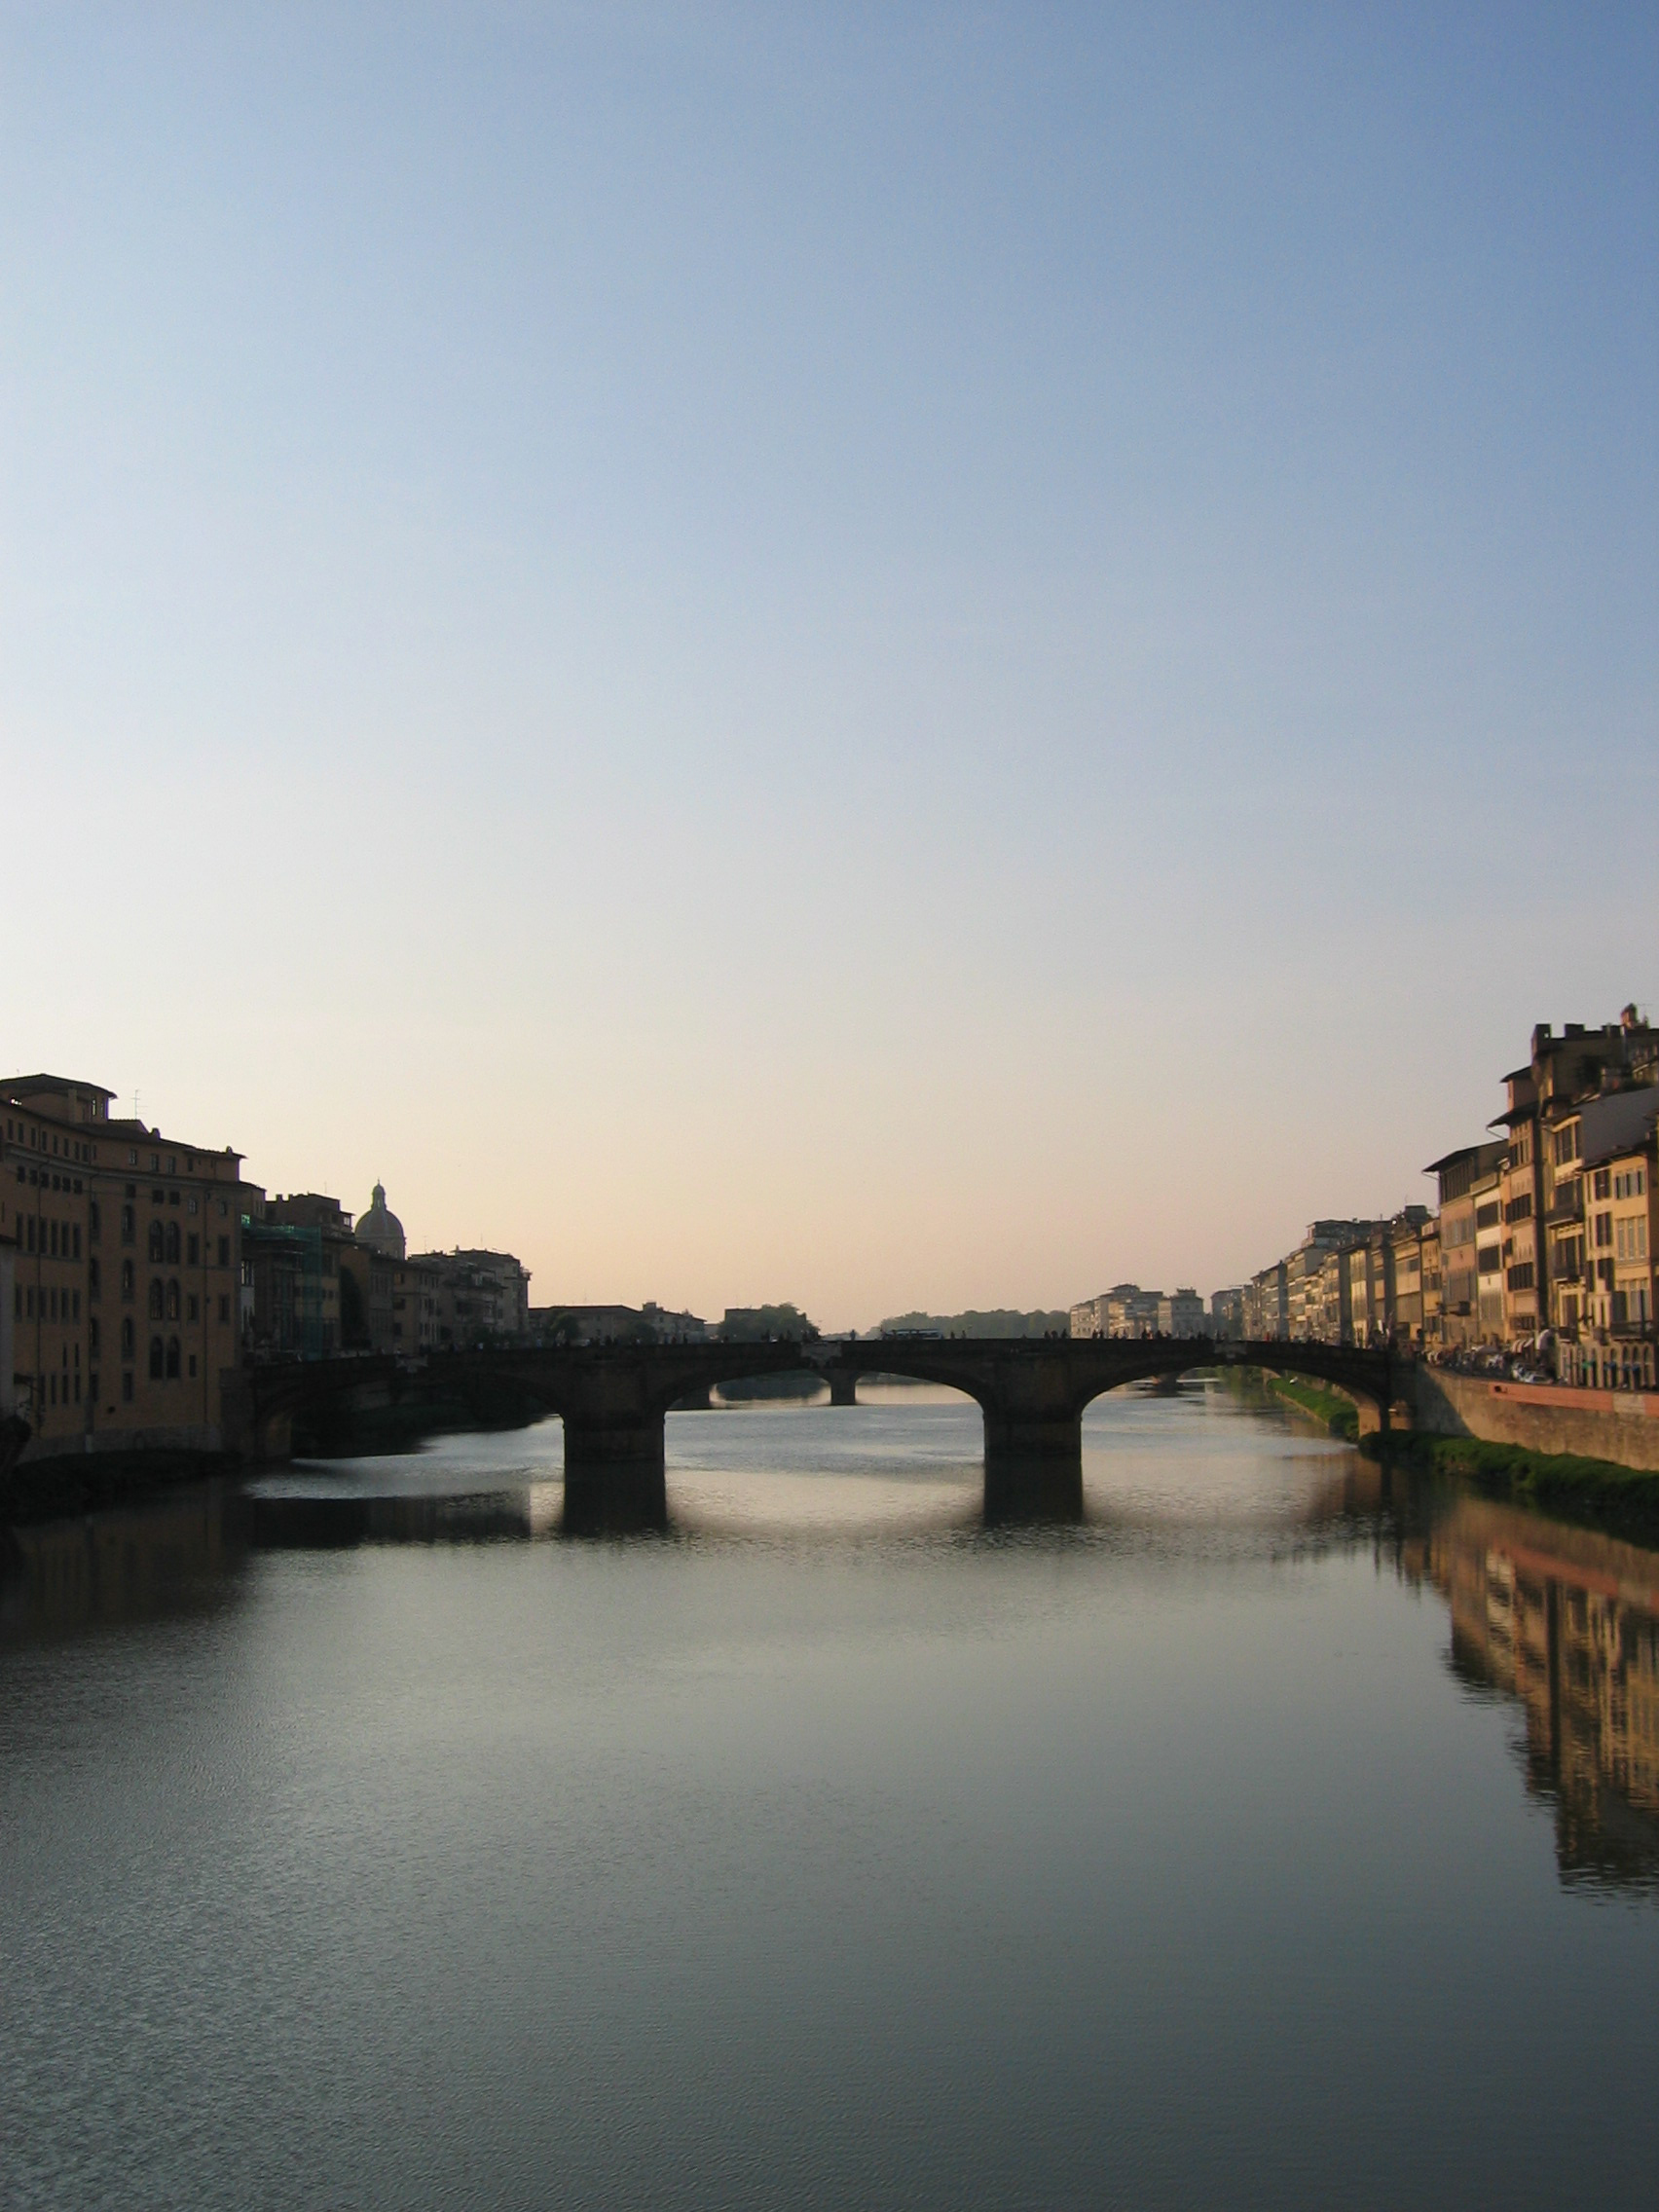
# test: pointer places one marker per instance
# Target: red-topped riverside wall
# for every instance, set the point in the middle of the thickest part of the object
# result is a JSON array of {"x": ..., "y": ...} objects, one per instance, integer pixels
[{"x": 1621, "y": 1425}]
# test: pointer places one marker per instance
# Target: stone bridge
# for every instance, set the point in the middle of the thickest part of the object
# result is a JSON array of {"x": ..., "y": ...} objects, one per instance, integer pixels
[{"x": 612, "y": 1398}]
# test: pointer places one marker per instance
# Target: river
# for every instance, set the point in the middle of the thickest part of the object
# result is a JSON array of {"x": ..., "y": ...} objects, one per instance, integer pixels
[{"x": 1267, "y": 1840}]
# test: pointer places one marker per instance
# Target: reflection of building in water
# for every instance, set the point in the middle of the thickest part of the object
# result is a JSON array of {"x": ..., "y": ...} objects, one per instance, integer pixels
[
  {"x": 172, "y": 1556},
  {"x": 1569, "y": 1623}
]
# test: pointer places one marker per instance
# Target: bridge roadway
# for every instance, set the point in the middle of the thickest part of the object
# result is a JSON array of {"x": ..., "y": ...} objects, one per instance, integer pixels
[{"x": 612, "y": 1398}]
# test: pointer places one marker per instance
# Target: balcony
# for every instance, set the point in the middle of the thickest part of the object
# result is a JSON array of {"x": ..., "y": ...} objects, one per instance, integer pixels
[{"x": 1568, "y": 1204}]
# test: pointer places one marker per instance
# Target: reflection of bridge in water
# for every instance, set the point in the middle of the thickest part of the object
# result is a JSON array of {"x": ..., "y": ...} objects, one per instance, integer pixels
[
  {"x": 1562, "y": 1620},
  {"x": 1032, "y": 1393}
]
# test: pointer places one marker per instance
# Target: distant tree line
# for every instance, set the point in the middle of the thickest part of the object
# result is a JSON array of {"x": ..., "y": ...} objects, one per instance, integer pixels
[{"x": 1002, "y": 1321}]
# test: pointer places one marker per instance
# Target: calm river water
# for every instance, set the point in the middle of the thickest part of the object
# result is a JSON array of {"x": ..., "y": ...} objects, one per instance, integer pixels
[{"x": 1261, "y": 1842}]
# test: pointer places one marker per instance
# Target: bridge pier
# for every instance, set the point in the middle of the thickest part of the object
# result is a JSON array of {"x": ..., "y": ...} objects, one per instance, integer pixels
[
  {"x": 843, "y": 1389},
  {"x": 1033, "y": 1467},
  {"x": 615, "y": 1477}
]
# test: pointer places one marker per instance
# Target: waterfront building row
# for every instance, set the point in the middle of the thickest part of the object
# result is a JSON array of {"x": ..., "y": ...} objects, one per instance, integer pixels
[
  {"x": 136, "y": 1270},
  {"x": 1543, "y": 1243}
]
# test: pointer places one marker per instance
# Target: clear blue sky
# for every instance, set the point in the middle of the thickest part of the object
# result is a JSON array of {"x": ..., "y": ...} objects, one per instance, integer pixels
[{"x": 909, "y": 656}]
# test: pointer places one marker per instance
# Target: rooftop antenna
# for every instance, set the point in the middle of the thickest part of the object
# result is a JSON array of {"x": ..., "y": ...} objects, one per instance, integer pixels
[{"x": 136, "y": 1106}]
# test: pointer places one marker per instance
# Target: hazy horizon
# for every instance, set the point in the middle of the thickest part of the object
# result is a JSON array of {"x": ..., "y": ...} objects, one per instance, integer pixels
[{"x": 897, "y": 663}]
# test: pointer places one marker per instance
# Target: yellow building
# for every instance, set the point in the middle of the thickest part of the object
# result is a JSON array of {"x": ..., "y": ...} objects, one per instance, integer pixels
[
  {"x": 1617, "y": 1162},
  {"x": 417, "y": 1293},
  {"x": 1548, "y": 1269},
  {"x": 125, "y": 1302}
]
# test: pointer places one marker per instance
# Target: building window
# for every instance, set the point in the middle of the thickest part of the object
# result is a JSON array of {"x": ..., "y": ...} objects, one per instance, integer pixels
[
  {"x": 92, "y": 1342},
  {"x": 127, "y": 1346},
  {"x": 127, "y": 1279},
  {"x": 94, "y": 1278},
  {"x": 157, "y": 1244},
  {"x": 1604, "y": 1230},
  {"x": 158, "y": 1359},
  {"x": 128, "y": 1225},
  {"x": 193, "y": 1249},
  {"x": 172, "y": 1302},
  {"x": 172, "y": 1244},
  {"x": 1601, "y": 1183},
  {"x": 158, "y": 1298},
  {"x": 127, "y": 1373},
  {"x": 172, "y": 1359},
  {"x": 223, "y": 1251},
  {"x": 224, "y": 1310},
  {"x": 94, "y": 1220},
  {"x": 193, "y": 1307}
]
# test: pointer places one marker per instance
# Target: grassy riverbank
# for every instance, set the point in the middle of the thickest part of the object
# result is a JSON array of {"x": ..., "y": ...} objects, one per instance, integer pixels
[
  {"x": 1340, "y": 1415},
  {"x": 1598, "y": 1492}
]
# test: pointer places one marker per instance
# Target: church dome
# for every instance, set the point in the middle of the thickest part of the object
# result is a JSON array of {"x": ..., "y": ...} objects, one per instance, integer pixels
[{"x": 382, "y": 1231}]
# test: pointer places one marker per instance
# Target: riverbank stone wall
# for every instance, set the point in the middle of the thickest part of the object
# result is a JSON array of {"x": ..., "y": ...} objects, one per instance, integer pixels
[{"x": 1620, "y": 1426}]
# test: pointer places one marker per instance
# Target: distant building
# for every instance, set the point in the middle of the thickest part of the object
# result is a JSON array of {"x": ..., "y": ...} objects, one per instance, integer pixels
[
  {"x": 1328, "y": 1313},
  {"x": 1466, "y": 1180},
  {"x": 1308, "y": 1295},
  {"x": 380, "y": 1230},
  {"x": 480, "y": 1295},
  {"x": 1127, "y": 1311},
  {"x": 293, "y": 1248},
  {"x": 1181, "y": 1315},
  {"x": 594, "y": 1324},
  {"x": 417, "y": 1288},
  {"x": 8, "y": 1291},
  {"x": 1407, "y": 1232},
  {"x": 1227, "y": 1314},
  {"x": 1267, "y": 1305}
]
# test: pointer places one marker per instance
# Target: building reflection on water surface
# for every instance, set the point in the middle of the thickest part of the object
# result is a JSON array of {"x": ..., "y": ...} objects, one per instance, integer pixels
[
  {"x": 1560, "y": 1620},
  {"x": 1567, "y": 1623}
]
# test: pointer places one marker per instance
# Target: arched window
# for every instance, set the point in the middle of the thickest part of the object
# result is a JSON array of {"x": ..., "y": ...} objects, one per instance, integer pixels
[
  {"x": 157, "y": 1302},
  {"x": 155, "y": 1243},
  {"x": 172, "y": 1302},
  {"x": 127, "y": 1278},
  {"x": 172, "y": 1243},
  {"x": 128, "y": 1225},
  {"x": 156, "y": 1359},
  {"x": 126, "y": 1340},
  {"x": 172, "y": 1359}
]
